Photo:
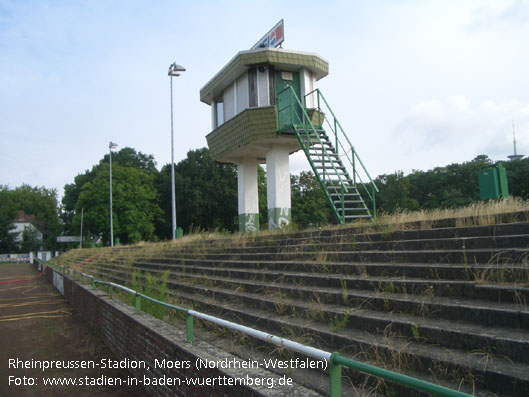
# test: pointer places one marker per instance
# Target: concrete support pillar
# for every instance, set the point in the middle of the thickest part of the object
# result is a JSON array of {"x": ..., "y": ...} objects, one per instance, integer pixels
[
  {"x": 248, "y": 196},
  {"x": 278, "y": 187}
]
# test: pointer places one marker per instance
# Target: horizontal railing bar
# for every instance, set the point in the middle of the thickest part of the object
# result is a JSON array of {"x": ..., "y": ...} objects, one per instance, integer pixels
[
  {"x": 133, "y": 292},
  {"x": 399, "y": 378},
  {"x": 307, "y": 350}
]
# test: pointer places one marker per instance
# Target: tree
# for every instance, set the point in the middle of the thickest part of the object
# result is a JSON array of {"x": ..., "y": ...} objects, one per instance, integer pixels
[
  {"x": 394, "y": 193},
  {"x": 206, "y": 193},
  {"x": 518, "y": 177},
  {"x": 309, "y": 205},
  {"x": 135, "y": 198},
  {"x": 30, "y": 240},
  {"x": 42, "y": 203},
  {"x": 7, "y": 214}
]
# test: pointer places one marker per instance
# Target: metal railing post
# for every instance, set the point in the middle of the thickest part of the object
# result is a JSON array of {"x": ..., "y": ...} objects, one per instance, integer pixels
[
  {"x": 335, "y": 377},
  {"x": 374, "y": 202},
  {"x": 291, "y": 109},
  {"x": 342, "y": 198},
  {"x": 94, "y": 283},
  {"x": 353, "y": 154},
  {"x": 190, "y": 334},
  {"x": 137, "y": 303},
  {"x": 336, "y": 138}
]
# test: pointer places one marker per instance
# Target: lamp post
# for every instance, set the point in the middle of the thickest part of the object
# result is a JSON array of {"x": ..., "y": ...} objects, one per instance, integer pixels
[
  {"x": 174, "y": 70},
  {"x": 111, "y": 146}
]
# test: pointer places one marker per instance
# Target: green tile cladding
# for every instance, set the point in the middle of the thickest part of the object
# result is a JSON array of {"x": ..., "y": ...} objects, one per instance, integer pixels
[{"x": 249, "y": 126}]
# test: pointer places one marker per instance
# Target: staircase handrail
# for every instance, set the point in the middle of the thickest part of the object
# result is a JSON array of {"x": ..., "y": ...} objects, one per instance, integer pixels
[
  {"x": 302, "y": 107},
  {"x": 354, "y": 154},
  {"x": 317, "y": 90},
  {"x": 357, "y": 174}
]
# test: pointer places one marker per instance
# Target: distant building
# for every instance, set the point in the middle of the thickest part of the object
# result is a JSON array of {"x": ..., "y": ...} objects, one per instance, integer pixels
[{"x": 26, "y": 222}]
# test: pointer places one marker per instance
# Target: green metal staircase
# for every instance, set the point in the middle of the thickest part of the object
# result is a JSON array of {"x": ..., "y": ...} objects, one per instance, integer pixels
[{"x": 333, "y": 161}]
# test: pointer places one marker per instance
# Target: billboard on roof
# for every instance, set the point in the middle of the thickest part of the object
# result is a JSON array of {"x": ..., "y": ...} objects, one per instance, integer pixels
[{"x": 273, "y": 38}]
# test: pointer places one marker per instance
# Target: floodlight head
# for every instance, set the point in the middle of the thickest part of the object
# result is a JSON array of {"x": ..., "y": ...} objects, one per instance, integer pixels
[
  {"x": 112, "y": 145},
  {"x": 175, "y": 69}
]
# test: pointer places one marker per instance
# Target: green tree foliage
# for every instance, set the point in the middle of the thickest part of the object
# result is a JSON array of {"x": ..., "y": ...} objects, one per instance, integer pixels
[
  {"x": 126, "y": 157},
  {"x": 135, "y": 198},
  {"x": 39, "y": 201},
  {"x": 395, "y": 193},
  {"x": 518, "y": 177},
  {"x": 309, "y": 205},
  {"x": 8, "y": 212},
  {"x": 30, "y": 240},
  {"x": 261, "y": 193},
  {"x": 454, "y": 185},
  {"x": 205, "y": 191}
]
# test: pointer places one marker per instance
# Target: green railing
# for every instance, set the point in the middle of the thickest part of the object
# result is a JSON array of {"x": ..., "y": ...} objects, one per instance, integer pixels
[
  {"x": 335, "y": 361},
  {"x": 322, "y": 109},
  {"x": 291, "y": 114}
]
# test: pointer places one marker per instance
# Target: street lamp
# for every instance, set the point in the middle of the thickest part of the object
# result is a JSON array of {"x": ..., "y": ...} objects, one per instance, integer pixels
[
  {"x": 111, "y": 146},
  {"x": 174, "y": 70}
]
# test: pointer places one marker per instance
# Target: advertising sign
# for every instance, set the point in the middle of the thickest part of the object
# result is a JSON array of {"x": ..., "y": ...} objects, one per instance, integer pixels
[{"x": 273, "y": 38}]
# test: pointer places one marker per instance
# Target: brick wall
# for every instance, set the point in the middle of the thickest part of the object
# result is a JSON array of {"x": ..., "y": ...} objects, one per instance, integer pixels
[{"x": 140, "y": 337}]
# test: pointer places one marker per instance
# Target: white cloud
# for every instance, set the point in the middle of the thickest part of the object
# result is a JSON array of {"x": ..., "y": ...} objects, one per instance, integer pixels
[
  {"x": 505, "y": 15},
  {"x": 460, "y": 130}
]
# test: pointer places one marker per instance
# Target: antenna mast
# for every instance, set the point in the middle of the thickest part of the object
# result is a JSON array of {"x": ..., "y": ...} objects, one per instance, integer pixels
[{"x": 514, "y": 156}]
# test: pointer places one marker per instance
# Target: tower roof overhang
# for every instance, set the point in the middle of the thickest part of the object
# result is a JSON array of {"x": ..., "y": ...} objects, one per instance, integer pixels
[{"x": 285, "y": 60}]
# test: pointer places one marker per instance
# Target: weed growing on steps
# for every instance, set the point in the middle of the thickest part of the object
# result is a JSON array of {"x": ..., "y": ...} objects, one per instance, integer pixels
[
  {"x": 339, "y": 322},
  {"x": 154, "y": 288},
  {"x": 343, "y": 283},
  {"x": 415, "y": 332}
]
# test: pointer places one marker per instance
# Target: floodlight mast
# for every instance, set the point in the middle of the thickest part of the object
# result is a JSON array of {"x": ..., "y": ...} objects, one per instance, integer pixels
[
  {"x": 111, "y": 146},
  {"x": 174, "y": 71}
]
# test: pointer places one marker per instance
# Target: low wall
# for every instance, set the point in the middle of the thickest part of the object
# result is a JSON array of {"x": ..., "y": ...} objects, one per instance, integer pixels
[{"x": 141, "y": 338}]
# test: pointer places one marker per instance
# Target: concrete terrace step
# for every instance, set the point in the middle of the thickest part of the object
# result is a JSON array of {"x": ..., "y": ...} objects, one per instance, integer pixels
[
  {"x": 494, "y": 374},
  {"x": 471, "y": 272},
  {"x": 444, "y": 229},
  {"x": 508, "y": 292},
  {"x": 447, "y": 302},
  {"x": 452, "y": 243},
  {"x": 343, "y": 306},
  {"x": 506, "y": 341},
  {"x": 434, "y": 256}
]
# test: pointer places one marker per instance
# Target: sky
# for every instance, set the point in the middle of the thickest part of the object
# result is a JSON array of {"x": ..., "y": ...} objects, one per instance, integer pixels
[{"x": 416, "y": 84}]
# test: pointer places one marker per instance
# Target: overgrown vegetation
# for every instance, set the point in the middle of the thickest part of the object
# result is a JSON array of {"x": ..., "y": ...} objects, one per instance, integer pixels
[{"x": 151, "y": 286}]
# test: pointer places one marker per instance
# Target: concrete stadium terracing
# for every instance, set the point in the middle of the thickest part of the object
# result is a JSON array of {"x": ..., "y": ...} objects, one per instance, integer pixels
[{"x": 440, "y": 302}]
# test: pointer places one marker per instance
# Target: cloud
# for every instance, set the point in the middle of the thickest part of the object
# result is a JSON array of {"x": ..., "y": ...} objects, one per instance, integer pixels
[
  {"x": 461, "y": 130},
  {"x": 504, "y": 15}
]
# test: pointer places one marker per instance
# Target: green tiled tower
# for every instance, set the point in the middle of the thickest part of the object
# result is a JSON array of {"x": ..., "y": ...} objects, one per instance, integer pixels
[{"x": 243, "y": 100}]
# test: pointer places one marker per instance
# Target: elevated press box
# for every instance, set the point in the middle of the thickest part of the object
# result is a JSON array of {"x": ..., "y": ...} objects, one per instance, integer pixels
[
  {"x": 245, "y": 127},
  {"x": 242, "y": 97}
]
